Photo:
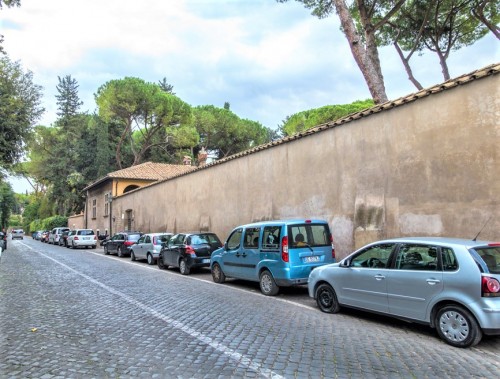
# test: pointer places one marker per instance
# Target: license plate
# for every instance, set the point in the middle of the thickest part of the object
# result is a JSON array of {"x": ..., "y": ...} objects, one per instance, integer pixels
[
  {"x": 205, "y": 261},
  {"x": 312, "y": 259},
  {"x": 86, "y": 238}
]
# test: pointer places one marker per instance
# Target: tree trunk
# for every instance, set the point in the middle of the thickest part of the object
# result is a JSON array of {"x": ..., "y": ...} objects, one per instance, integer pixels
[
  {"x": 366, "y": 57},
  {"x": 406, "y": 63}
]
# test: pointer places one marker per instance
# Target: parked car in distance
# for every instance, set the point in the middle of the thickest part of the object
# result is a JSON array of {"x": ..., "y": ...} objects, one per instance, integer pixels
[
  {"x": 63, "y": 239},
  {"x": 121, "y": 242},
  {"x": 188, "y": 251},
  {"x": 55, "y": 235},
  {"x": 81, "y": 238},
  {"x": 44, "y": 237},
  {"x": 148, "y": 246},
  {"x": 274, "y": 253},
  {"x": 17, "y": 234},
  {"x": 452, "y": 285},
  {"x": 38, "y": 235}
]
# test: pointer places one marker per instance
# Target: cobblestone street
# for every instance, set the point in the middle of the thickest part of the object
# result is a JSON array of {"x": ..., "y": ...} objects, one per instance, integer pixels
[{"x": 80, "y": 314}]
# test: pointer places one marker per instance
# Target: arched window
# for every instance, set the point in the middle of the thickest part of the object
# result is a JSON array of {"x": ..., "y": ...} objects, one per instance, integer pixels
[{"x": 130, "y": 188}]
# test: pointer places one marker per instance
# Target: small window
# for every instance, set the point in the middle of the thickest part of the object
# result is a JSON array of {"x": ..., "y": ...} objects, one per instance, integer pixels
[
  {"x": 449, "y": 260},
  {"x": 234, "y": 240},
  {"x": 251, "y": 239},
  {"x": 94, "y": 208},
  {"x": 107, "y": 198}
]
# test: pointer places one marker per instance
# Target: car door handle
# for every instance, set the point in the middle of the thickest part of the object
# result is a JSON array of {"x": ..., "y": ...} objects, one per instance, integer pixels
[
  {"x": 379, "y": 277},
  {"x": 433, "y": 281},
  {"x": 244, "y": 255}
]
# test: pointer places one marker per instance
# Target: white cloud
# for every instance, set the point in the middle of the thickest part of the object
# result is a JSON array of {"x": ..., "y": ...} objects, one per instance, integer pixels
[{"x": 268, "y": 60}]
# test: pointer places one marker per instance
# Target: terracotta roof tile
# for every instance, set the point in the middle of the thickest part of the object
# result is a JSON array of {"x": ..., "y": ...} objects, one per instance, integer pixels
[
  {"x": 150, "y": 171},
  {"x": 146, "y": 171}
]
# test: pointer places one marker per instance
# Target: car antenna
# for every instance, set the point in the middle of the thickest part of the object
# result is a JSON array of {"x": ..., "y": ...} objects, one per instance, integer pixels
[{"x": 486, "y": 223}]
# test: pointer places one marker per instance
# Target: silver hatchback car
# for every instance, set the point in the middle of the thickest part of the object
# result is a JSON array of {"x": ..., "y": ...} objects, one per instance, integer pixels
[{"x": 452, "y": 285}]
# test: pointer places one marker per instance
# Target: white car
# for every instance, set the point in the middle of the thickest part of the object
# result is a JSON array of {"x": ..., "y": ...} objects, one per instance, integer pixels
[
  {"x": 17, "y": 233},
  {"x": 82, "y": 238},
  {"x": 148, "y": 246}
]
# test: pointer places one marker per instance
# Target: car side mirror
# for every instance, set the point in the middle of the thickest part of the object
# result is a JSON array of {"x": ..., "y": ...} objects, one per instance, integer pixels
[{"x": 345, "y": 263}]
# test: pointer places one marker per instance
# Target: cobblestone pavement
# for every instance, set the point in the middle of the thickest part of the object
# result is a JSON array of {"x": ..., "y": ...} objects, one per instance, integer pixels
[{"x": 80, "y": 314}]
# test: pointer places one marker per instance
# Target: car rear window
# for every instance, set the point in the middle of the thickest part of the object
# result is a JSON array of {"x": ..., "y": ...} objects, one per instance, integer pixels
[
  {"x": 308, "y": 235},
  {"x": 85, "y": 233},
  {"x": 134, "y": 237},
  {"x": 491, "y": 256}
]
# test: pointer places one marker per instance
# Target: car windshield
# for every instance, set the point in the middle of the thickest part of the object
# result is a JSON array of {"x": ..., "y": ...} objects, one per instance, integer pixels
[{"x": 490, "y": 256}]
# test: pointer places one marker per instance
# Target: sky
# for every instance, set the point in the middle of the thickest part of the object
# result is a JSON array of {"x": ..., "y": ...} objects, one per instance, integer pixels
[{"x": 268, "y": 60}]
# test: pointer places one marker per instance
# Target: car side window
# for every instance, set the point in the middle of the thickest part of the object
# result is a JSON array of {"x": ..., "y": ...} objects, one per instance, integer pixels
[
  {"x": 376, "y": 256},
  {"x": 448, "y": 259},
  {"x": 271, "y": 237},
  {"x": 251, "y": 239},
  {"x": 234, "y": 240},
  {"x": 141, "y": 240},
  {"x": 417, "y": 257},
  {"x": 147, "y": 239}
]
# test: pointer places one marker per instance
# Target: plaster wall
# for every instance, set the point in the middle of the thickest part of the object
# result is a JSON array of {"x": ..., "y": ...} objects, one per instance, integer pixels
[{"x": 426, "y": 168}]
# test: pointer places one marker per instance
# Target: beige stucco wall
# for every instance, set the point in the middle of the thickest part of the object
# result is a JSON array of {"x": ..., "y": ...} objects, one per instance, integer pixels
[
  {"x": 76, "y": 222},
  {"x": 430, "y": 167}
]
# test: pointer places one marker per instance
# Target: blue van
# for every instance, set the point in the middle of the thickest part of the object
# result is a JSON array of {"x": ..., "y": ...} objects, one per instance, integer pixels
[{"x": 274, "y": 253}]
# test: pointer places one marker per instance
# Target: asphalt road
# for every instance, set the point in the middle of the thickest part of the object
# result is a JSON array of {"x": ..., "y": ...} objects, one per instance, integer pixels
[{"x": 80, "y": 314}]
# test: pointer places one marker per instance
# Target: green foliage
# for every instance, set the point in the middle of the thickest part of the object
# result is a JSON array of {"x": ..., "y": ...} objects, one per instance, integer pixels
[
  {"x": 68, "y": 101},
  {"x": 142, "y": 110},
  {"x": 54, "y": 222},
  {"x": 224, "y": 133},
  {"x": 7, "y": 202},
  {"x": 439, "y": 26},
  {"x": 19, "y": 109},
  {"x": 308, "y": 119}
]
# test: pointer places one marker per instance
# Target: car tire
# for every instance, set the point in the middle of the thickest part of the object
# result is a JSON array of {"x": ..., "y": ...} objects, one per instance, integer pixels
[
  {"x": 457, "y": 326},
  {"x": 151, "y": 260},
  {"x": 120, "y": 252},
  {"x": 106, "y": 252},
  {"x": 132, "y": 255},
  {"x": 183, "y": 267},
  {"x": 218, "y": 275},
  {"x": 94, "y": 246},
  {"x": 72, "y": 246},
  {"x": 326, "y": 298},
  {"x": 267, "y": 284},
  {"x": 160, "y": 263}
]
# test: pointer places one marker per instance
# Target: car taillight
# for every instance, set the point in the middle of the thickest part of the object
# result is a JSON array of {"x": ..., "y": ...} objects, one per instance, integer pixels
[
  {"x": 494, "y": 244},
  {"x": 128, "y": 243},
  {"x": 284, "y": 249},
  {"x": 76, "y": 238},
  {"x": 333, "y": 246},
  {"x": 490, "y": 287},
  {"x": 190, "y": 251}
]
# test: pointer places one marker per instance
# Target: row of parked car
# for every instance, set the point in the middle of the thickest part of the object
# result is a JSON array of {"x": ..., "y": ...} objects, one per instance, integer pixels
[
  {"x": 452, "y": 285},
  {"x": 63, "y": 236}
]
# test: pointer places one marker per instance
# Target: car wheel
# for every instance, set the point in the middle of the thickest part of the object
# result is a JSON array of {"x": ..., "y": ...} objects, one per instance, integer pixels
[
  {"x": 151, "y": 260},
  {"x": 217, "y": 274},
  {"x": 121, "y": 252},
  {"x": 183, "y": 267},
  {"x": 106, "y": 252},
  {"x": 72, "y": 246},
  {"x": 326, "y": 298},
  {"x": 457, "y": 327},
  {"x": 132, "y": 255},
  {"x": 267, "y": 284},
  {"x": 160, "y": 263}
]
